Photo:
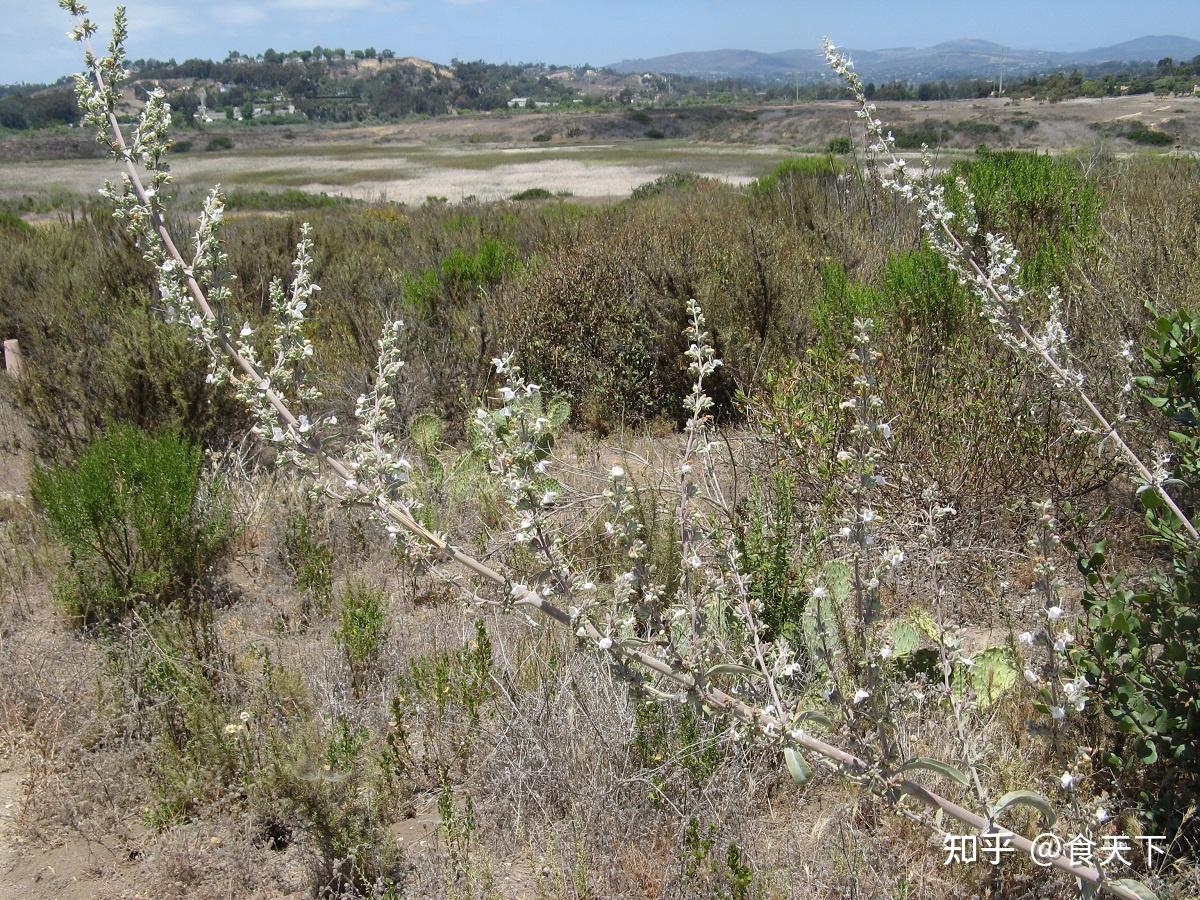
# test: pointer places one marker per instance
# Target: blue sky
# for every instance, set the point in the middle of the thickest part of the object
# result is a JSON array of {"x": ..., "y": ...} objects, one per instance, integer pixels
[{"x": 34, "y": 47}]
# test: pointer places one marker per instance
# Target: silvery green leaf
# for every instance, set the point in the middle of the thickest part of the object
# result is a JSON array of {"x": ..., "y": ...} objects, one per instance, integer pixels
[
  {"x": 798, "y": 766},
  {"x": 1026, "y": 798},
  {"x": 934, "y": 765}
]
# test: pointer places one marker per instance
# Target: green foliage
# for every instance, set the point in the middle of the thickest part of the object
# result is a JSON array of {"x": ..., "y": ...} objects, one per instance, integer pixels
[
  {"x": 287, "y": 199},
  {"x": 842, "y": 300},
  {"x": 11, "y": 223},
  {"x": 840, "y": 145},
  {"x": 533, "y": 193},
  {"x": 218, "y": 143},
  {"x": 363, "y": 629},
  {"x": 925, "y": 296},
  {"x": 447, "y": 479},
  {"x": 664, "y": 739},
  {"x": 1044, "y": 204},
  {"x": 1139, "y": 133},
  {"x": 140, "y": 523},
  {"x": 784, "y": 176},
  {"x": 460, "y": 678},
  {"x": 671, "y": 182},
  {"x": 709, "y": 874},
  {"x": 1142, "y": 648},
  {"x": 96, "y": 350},
  {"x": 309, "y": 561},
  {"x": 768, "y": 548}
]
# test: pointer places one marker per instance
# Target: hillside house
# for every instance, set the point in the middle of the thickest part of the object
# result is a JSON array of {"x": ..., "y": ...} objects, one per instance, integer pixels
[{"x": 518, "y": 103}]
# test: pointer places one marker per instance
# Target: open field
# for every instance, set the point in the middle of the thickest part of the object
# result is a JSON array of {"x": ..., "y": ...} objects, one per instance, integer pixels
[{"x": 591, "y": 155}]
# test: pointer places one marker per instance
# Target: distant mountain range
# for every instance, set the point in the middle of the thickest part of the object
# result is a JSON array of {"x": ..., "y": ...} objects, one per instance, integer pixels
[{"x": 953, "y": 59}]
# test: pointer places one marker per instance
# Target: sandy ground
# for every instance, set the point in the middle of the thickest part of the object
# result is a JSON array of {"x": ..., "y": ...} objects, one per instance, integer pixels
[{"x": 409, "y": 177}]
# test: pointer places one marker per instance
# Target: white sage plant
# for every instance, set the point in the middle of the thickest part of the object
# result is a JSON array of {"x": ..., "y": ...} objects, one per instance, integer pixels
[
  {"x": 737, "y": 676},
  {"x": 994, "y": 280}
]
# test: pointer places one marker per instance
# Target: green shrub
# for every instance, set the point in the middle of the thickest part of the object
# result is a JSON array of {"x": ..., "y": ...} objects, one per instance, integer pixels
[
  {"x": 1142, "y": 646},
  {"x": 1044, "y": 204},
  {"x": 220, "y": 142},
  {"x": 11, "y": 222},
  {"x": 310, "y": 563},
  {"x": 767, "y": 545},
  {"x": 542, "y": 137},
  {"x": 841, "y": 301},
  {"x": 793, "y": 169},
  {"x": 363, "y": 629},
  {"x": 674, "y": 181},
  {"x": 140, "y": 523},
  {"x": 288, "y": 199},
  {"x": 182, "y": 147},
  {"x": 926, "y": 296},
  {"x": 533, "y": 193},
  {"x": 1140, "y": 133},
  {"x": 654, "y": 134},
  {"x": 840, "y": 145}
]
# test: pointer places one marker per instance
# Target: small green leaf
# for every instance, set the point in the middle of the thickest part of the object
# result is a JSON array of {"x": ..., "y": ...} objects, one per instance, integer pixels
[
  {"x": 798, "y": 766},
  {"x": 934, "y": 765},
  {"x": 1026, "y": 798},
  {"x": 732, "y": 669}
]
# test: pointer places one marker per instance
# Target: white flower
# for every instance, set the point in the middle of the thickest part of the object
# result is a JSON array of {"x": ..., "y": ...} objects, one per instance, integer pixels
[
  {"x": 351, "y": 484},
  {"x": 616, "y": 473},
  {"x": 1058, "y": 713},
  {"x": 245, "y": 716},
  {"x": 1026, "y": 637},
  {"x": 246, "y": 330},
  {"x": 1068, "y": 780},
  {"x": 868, "y": 516},
  {"x": 885, "y": 652},
  {"x": 1101, "y": 815},
  {"x": 605, "y": 643},
  {"x": 507, "y": 394},
  {"x": 1054, "y": 613},
  {"x": 860, "y": 695},
  {"x": 820, "y": 592},
  {"x": 695, "y": 561},
  {"x": 1032, "y": 676}
]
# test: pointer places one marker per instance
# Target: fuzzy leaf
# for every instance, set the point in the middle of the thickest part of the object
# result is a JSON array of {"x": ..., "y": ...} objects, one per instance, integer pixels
[
  {"x": 934, "y": 765},
  {"x": 1026, "y": 798},
  {"x": 798, "y": 766}
]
